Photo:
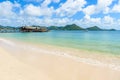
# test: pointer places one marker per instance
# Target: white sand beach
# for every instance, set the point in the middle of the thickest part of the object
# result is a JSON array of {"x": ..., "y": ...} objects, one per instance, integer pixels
[{"x": 19, "y": 61}]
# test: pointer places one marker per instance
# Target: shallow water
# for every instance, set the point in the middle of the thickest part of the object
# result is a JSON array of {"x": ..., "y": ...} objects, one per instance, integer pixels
[{"x": 97, "y": 41}]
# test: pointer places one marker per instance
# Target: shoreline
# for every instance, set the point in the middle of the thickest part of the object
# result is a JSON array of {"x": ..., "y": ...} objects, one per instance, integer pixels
[
  {"x": 93, "y": 58},
  {"x": 74, "y": 54},
  {"x": 32, "y": 55}
]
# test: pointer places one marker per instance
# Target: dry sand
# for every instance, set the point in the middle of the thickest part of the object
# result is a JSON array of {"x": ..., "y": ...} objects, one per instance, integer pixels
[
  {"x": 13, "y": 69},
  {"x": 22, "y": 64}
]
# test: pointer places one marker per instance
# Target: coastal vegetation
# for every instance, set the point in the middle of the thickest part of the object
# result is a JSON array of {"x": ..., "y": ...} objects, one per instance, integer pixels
[
  {"x": 35, "y": 28},
  {"x": 9, "y": 29},
  {"x": 5, "y": 29},
  {"x": 94, "y": 28},
  {"x": 76, "y": 27},
  {"x": 73, "y": 27},
  {"x": 67, "y": 27}
]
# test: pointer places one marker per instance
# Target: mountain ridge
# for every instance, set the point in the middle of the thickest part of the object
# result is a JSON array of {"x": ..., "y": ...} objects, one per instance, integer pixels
[{"x": 69, "y": 27}]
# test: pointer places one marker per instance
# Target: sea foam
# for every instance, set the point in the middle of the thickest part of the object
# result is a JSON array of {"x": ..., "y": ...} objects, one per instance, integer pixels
[{"x": 60, "y": 53}]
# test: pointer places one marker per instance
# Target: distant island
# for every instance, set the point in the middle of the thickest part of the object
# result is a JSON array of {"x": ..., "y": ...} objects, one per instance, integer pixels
[
  {"x": 76, "y": 27},
  {"x": 34, "y": 28}
]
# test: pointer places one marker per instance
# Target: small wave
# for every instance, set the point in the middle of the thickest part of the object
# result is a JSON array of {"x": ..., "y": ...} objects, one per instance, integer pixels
[
  {"x": 78, "y": 59},
  {"x": 63, "y": 54},
  {"x": 8, "y": 42}
]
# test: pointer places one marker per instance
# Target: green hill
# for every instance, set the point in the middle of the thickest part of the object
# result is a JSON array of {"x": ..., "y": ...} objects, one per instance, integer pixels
[
  {"x": 73, "y": 27},
  {"x": 67, "y": 27},
  {"x": 53, "y": 28},
  {"x": 94, "y": 28}
]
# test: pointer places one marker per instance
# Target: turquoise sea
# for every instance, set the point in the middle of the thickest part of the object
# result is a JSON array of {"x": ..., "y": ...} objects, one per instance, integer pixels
[{"x": 99, "y": 41}]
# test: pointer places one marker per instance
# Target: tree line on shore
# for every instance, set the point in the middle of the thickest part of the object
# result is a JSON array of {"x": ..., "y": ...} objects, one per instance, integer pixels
[{"x": 35, "y": 28}]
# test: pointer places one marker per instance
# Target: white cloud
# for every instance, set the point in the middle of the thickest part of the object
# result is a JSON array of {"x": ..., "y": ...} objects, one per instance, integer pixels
[
  {"x": 6, "y": 9},
  {"x": 32, "y": 10},
  {"x": 108, "y": 20},
  {"x": 118, "y": 24},
  {"x": 89, "y": 10},
  {"x": 101, "y": 6},
  {"x": 30, "y": 14},
  {"x": 16, "y": 4},
  {"x": 38, "y": 1},
  {"x": 87, "y": 21},
  {"x": 70, "y": 7},
  {"x": 106, "y": 10},
  {"x": 62, "y": 22},
  {"x": 47, "y": 2},
  {"x": 56, "y": 1},
  {"x": 116, "y": 8},
  {"x": 104, "y": 7},
  {"x": 54, "y": 21},
  {"x": 104, "y": 3},
  {"x": 32, "y": 0}
]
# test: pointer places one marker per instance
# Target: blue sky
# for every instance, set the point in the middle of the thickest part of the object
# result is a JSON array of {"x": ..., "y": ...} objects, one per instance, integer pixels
[{"x": 85, "y": 13}]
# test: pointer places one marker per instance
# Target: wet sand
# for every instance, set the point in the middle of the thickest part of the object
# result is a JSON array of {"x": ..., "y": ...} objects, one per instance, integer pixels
[{"x": 19, "y": 61}]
